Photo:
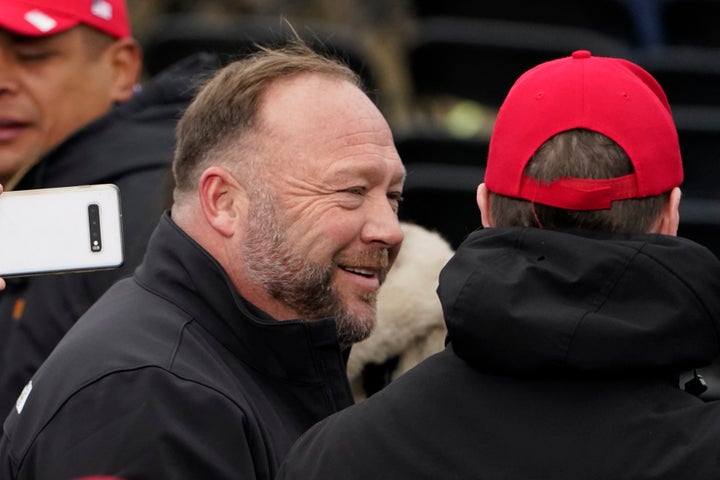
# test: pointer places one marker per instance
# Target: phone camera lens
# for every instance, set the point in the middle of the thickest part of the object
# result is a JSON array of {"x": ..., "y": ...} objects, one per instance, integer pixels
[{"x": 94, "y": 222}]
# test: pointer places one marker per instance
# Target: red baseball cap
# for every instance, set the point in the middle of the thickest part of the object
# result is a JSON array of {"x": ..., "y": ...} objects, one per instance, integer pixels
[
  {"x": 610, "y": 96},
  {"x": 47, "y": 17}
]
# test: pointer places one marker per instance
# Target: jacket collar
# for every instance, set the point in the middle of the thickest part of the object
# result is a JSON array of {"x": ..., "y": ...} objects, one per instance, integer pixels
[{"x": 180, "y": 270}]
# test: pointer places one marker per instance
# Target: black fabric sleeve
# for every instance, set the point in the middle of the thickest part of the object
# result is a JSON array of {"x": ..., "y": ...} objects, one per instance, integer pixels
[{"x": 146, "y": 424}]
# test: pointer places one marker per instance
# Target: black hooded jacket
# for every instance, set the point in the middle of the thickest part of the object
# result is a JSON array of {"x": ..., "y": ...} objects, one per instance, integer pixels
[
  {"x": 563, "y": 363},
  {"x": 173, "y": 375},
  {"x": 131, "y": 147}
]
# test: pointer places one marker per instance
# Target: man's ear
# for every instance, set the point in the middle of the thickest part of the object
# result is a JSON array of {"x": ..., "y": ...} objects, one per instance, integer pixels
[
  {"x": 125, "y": 60},
  {"x": 223, "y": 200},
  {"x": 483, "y": 201},
  {"x": 669, "y": 220}
]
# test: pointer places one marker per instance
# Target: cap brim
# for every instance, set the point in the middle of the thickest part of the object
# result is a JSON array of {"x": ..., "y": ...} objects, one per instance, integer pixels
[{"x": 35, "y": 22}]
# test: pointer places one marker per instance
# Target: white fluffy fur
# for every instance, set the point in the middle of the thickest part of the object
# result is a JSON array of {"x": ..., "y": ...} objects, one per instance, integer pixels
[{"x": 409, "y": 320}]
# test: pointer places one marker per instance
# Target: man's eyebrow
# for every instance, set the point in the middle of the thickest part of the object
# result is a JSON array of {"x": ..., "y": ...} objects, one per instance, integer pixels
[
  {"x": 22, "y": 42},
  {"x": 18, "y": 39},
  {"x": 350, "y": 172}
]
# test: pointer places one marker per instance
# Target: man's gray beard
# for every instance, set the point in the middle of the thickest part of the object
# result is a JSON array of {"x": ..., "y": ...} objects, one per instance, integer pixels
[{"x": 295, "y": 281}]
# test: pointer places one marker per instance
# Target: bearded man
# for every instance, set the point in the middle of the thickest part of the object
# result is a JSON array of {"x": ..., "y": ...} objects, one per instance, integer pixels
[{"x": 229, "y": 341}]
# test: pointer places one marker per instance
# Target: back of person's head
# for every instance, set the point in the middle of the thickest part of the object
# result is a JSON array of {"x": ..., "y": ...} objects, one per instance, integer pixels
[
  {"x": 39, "y": 18},
  {"x": 585, "y": 142},
  {"x": 225, "y": 110}
]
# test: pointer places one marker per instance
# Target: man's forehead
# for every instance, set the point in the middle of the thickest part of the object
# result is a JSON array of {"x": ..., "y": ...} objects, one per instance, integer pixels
[{"x": 305, "y": 87}]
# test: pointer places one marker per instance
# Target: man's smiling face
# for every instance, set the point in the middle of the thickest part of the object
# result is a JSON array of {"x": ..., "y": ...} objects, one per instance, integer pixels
[{"x": 322, "y": 236}]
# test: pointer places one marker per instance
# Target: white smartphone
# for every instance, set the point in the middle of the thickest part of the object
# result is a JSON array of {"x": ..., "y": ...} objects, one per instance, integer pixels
[{"x": 54, "y": 230}]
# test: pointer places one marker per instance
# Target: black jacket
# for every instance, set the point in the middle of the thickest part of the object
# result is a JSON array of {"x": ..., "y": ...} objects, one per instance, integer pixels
[
  {"x": 172, "y": 375},
  {"x": 563, "y": 363},
  {"x": 132, "y": 147}
]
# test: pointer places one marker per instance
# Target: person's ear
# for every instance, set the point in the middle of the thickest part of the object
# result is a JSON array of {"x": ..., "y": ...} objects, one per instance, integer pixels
[
  {"x": 223, "y": 200},
  {"x": 124, "y": 57},
  {"x": 483, "y": 201},
  {"x": 669, "y": 220}
]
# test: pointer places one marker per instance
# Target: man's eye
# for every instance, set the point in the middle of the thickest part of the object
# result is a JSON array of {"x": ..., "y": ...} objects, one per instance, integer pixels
[
  {"x": 355, "y": 190},
  {"x": 396, "y": 197},
  {"x": 395, "y": 201}
]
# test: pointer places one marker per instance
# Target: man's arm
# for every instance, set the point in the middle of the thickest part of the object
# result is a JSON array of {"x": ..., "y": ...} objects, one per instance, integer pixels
[{"x": 146, "y": 423}]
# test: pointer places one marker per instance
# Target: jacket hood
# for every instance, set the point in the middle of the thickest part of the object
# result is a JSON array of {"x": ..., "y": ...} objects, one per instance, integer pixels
[{"x": 527, "y": 300}]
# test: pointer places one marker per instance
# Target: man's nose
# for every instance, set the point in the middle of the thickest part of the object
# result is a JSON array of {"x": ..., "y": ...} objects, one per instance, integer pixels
[{"x": 382, "y": 225}]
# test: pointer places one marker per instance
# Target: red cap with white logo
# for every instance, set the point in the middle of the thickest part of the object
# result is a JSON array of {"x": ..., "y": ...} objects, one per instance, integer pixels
[{"x": 47, "y": 17}]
